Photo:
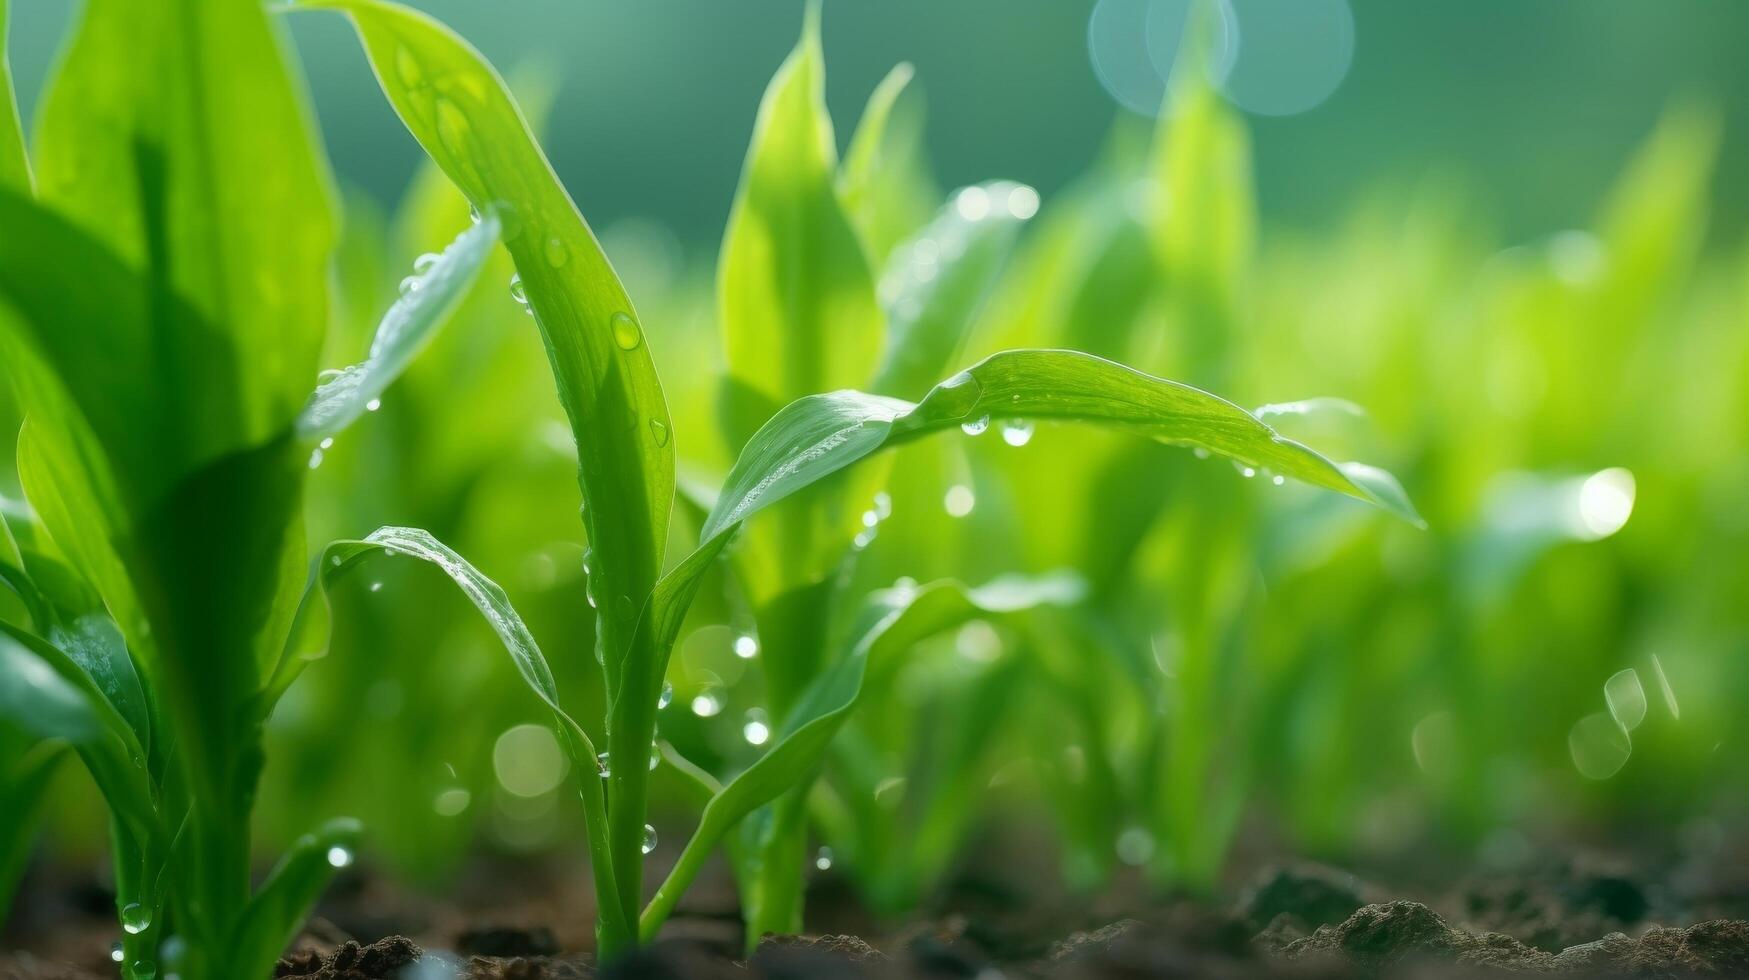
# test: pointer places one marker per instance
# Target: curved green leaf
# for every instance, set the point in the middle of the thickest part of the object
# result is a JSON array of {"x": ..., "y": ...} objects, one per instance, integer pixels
[
  {"x": 308, "y": 641},
  {"x": 14, "y": 161},
  {"x": 278, "y": 909},
  {"x": 24, "y": 779},
  {"x": 884, "y": 181},
  {"x": 797, "y": 297},
  {"x": 935, "y": 283},
  {"x": 45, "y": 694},
  {"x": 817, "y": 436},
  {"x": 426, "y": 301},
  {"x": 895, "y": 620},
  {"x": 462, "y": 113}
]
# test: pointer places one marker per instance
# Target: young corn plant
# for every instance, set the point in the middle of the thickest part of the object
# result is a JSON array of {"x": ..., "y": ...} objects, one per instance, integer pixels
[
  {"x": 162, "y": 306},
  {"x": 802, "y": 324}
]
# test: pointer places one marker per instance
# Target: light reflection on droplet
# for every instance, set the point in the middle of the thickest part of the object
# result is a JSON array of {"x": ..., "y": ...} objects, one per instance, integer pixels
[
  {"x": 972, "y": 203},
  {"x": 1598, "y": 746},
  {"x": 1626, "y": 698},
  {"x": 339, "y": 857},
  {"x": 707, "y": 703},
  {"x": 823, "y": 859},
  {"x": 746, "y": 647},
  {"x": 1017, "y": 432}
]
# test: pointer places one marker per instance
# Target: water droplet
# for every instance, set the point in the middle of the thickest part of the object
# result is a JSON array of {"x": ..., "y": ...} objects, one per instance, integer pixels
[
  {"x": 473, "y": 214},
  {"x": 1023, "y": 202},
  {"x": 452, "y": 802},
  {"x": 1017, "y": 432},
  {"x": 959, "y": 500},
  {"x": 1200, "y": 453},
  {"x": 1626, "y": 698},
  {"x": 328, "y": 374},
  {"x": 625, "y": 331},
  {"x": 958, "y": 395},
  {"x": 1278, "y": 479},
  {"x": 135, "y": 918},
  {"x": 327, "y": 443},
  {"x": 863, "y": 538},
  {"x": 655, "y": 756},
  {"x": 315, "y": 459},
  {"x": 142, "y": 970},
  {"x": 1247, "y": 471},
  {"x": 975, "y": 427},
  {"x": 116, "y": 954},
  {"x": 556, "y": 253},
  {"x": 649, "y": 839},
  {"x": 883, "y": 505},
  {"x": 518, "y": 292},
  {"x": 659, "y": 431},
  {"x": 870, "y": 517},
  {"x": 755, "y": 730},
  {"x": 707, "y": 703},
  {"x": 667, "y": 696},
  {"x": 339, "y": 857},
  {"x": 373, "y": 405},
  {"x": 410, "y": 285},
  {"x": 604, "y": 765},
  {"x": 823, "y": 859},
  {"x": 376, "y": 586},
  {"x": 746, "y": 647},
  {"x": 425, "y": 263}
]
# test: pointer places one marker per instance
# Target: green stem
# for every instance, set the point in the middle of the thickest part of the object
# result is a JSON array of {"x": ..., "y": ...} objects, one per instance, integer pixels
[{"x": 774, "y": 896}]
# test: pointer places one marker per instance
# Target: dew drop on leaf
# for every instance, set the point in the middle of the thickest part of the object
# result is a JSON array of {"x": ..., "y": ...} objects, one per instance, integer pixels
[
  {"x": 1017, "y": 432},
  {"x": 625, "y": 332},
  {"x": 135, "y": 918},
  {"x": 425, "y": 263},
  {"x": 556, "y": 253},
  {"x": 410, "y": 285},
  {"x": 755, "y": 729},
  {"x": 667, "y": 696},
  {"x": 655, "y": 757},
  {"x": 659, "y": 431},
  {"x": 339, "y": 857},
  {"x": 373, "y": 405},
  {"x": 115, "y": 953},
  {"x": 746, "y": 647},
  {"x": 649, "y": 839},
  {"x": 517, "y": 292},
  {"x": 823, "y": 859},
  {"x": 975, "y": 427}
]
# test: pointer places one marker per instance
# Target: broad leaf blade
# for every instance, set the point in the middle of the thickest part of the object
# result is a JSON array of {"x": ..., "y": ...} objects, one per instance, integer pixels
[
  {"x": 426, "y": 302},
  {"x": 817, "y": 436},
  {"x": 797, "y": 297},
  {"x": 935, "y": 283},
  {"x": 884, "y": 181},
  {"x": 461, "y": 112},
  {"x": 176, "y": 133}
]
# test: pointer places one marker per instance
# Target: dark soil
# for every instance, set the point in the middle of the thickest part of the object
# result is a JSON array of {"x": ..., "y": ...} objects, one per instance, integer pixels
[{"x": 1297, "y": 921}]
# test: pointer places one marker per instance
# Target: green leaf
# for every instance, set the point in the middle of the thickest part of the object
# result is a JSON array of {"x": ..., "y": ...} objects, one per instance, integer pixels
[
  {"x": 78, "y": 625},
  {"x": 797, "y": 297},
  {"x": 817, "y": 436},
  {"x": 462, "y": 113},
  {"x": 935, "y": 283},
  {"x": 308, "y": 640},
  {"x": 14, "y": 160},
  {"x": 176, "y": 133},
  {"x": 46, "y": 695},
  {"x": 884, "y": 182},
  {"x": 426, "y": 301},
  {"x": 277, "y": 911},
  {"x": 895, "y": 620}
]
